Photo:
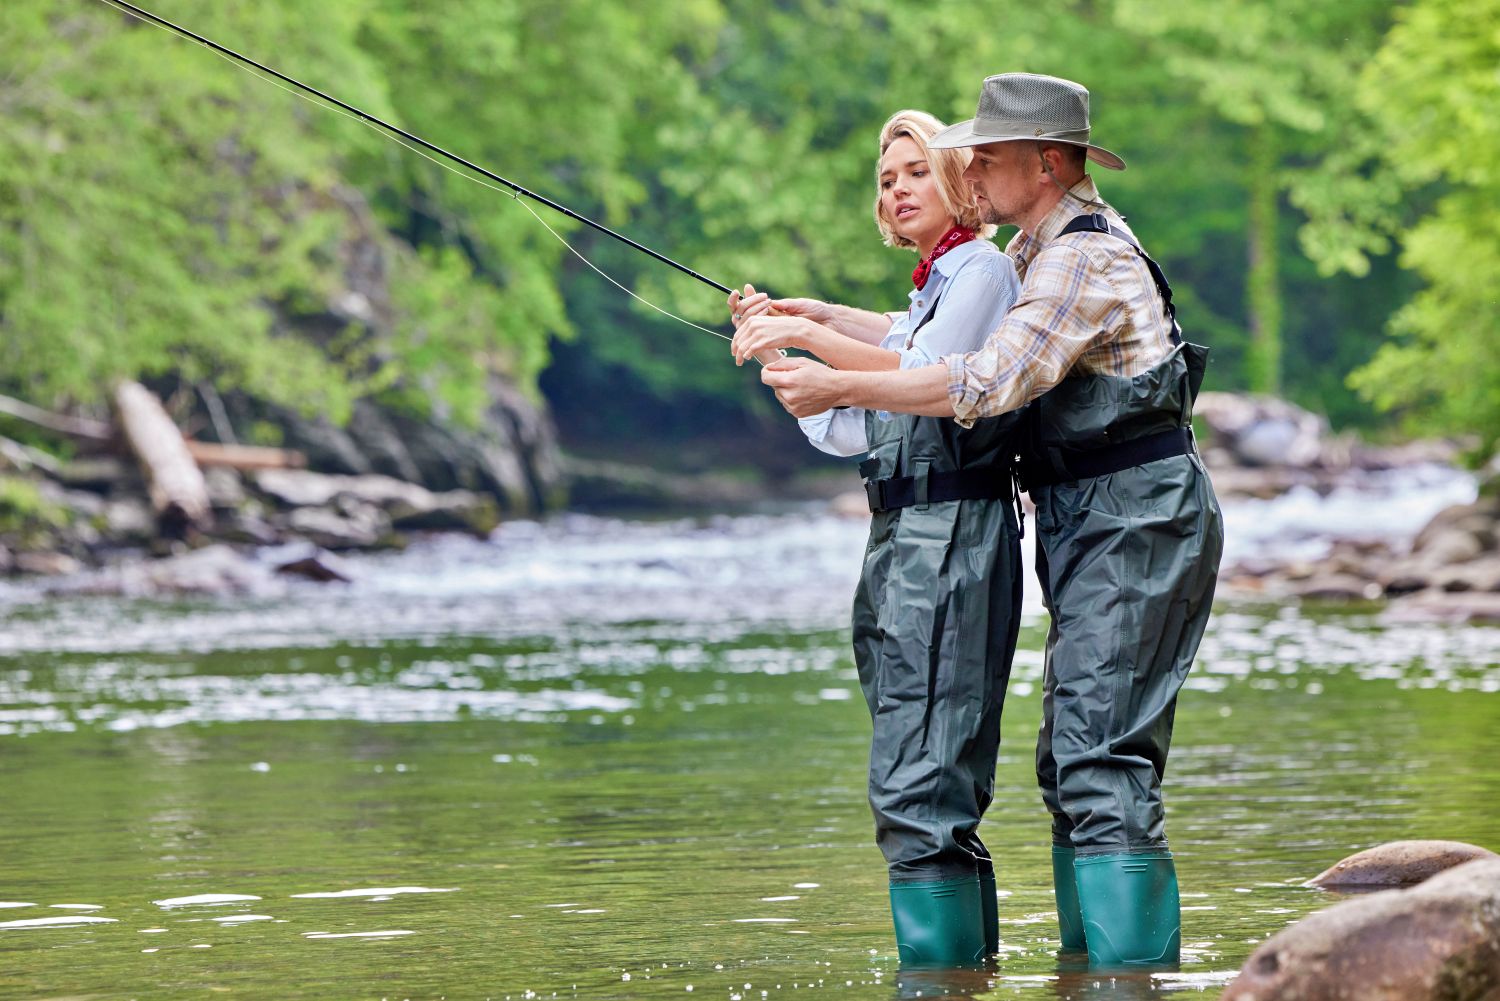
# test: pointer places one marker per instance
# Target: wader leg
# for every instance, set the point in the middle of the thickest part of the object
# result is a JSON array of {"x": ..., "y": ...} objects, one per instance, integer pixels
[
  {"x": 1064, "y": 882},
  {"x": 1130, "y": 609},
  {"x": 940, "y": 681}
]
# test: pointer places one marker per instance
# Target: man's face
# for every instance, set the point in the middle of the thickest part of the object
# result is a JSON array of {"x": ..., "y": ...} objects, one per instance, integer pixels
[{"x": 1003, "y": 181}]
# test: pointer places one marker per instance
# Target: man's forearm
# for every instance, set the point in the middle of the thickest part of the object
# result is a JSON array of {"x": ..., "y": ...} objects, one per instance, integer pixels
[{"x": 922, "y": 391}]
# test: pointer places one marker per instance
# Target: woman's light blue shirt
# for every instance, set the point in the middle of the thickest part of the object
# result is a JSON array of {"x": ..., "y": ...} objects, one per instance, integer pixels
[{"x": 974, "y": 286}]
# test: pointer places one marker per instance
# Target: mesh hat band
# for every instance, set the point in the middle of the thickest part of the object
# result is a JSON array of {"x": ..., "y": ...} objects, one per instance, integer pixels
[{"x": 1010, "y": 128}]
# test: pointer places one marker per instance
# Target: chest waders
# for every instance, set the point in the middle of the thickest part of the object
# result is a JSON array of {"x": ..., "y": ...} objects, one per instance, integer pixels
[
  {"x": 1129, "y": 537},
  {"x": 936, "y": 616}
]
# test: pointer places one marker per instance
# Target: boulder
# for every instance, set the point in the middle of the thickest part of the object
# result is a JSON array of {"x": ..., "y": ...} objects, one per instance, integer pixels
[
  {"x": 247, "y": 527},
  {"x": 216, "y": 570},
  {"x": 211, "y": 570},
  {"x": 1337, "y": 587},
  {"x": 359, "y": 526},
  {"x": 46, "y": 564},
  {"x": 451, "y": 511},
  {"x": 1262, "y": 430},
  {"x": 1482, "y": 574},
  {"x": 1477, "y": 519},
  {"x": 129, "y": 520},
  {"x": 1439, "y": 941},
  {"x": 1444, "y": 606},
  {"x": 1399, "y": 863},
  {"x": 1448, "y": 546},
  {"x": 226, "y": 488}
]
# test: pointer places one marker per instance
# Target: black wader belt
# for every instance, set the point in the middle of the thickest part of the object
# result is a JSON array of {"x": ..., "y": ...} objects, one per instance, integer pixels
[
  {"x": 982, "y": 483},
  {"x": 1068, "y": 465}
]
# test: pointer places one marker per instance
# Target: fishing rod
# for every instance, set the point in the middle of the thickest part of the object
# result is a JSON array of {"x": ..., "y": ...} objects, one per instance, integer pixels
[
  {"x": 365, "y": 116},
  {"x": 398, "y": 134}
]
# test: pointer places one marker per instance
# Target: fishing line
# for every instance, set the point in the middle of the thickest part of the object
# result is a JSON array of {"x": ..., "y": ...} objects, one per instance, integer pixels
[{"x": 394, "y": 134}]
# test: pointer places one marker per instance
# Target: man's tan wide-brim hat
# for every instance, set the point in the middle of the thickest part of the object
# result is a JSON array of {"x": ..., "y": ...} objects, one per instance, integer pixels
[{"x": 1016, "y": 106}]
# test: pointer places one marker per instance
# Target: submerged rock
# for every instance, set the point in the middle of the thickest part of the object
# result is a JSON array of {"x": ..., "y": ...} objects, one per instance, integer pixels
[
  {"x": 1399, "y": 863},
  {"x": 321, "y": 567},
  {"x": 212, "y": 570},
  {"x": 1439, "y": 941}
]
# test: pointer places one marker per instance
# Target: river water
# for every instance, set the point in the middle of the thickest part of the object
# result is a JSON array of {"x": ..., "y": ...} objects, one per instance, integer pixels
[{"x": 603, "y": 759}]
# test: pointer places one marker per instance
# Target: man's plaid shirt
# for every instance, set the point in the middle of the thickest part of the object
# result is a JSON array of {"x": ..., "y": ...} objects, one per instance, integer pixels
[{"x": 1088, "y": 306}]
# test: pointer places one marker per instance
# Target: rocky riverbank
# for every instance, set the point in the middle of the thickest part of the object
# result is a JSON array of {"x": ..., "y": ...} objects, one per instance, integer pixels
[
  {"x": 1447, "y": 568},
  {"x": 386, "y": 477}
]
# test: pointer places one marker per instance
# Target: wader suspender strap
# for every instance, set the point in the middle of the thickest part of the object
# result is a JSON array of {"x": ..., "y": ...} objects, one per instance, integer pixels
[
  {"x": 1082, "y": 464},
  {"x": 1099, "y": 224},
  {"x": 911, "y": 338},
  {"x": 983, "y": 483}
]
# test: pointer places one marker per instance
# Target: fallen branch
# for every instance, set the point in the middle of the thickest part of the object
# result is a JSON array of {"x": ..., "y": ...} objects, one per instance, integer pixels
[
  {"x": 24, "y": 457},
  {"x": 77, "y": 427},
  {"x": 178, "y": 493},
  {"x": 208, "y": 453}
]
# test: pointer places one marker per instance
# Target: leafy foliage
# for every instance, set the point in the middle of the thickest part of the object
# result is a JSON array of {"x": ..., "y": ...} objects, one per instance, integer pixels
[{"x": 164, "y": 213}]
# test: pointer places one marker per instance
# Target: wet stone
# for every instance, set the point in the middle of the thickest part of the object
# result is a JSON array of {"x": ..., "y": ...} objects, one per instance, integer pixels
[
  {"x": 1439, "y": 941},
  {"x": 1399, "y": 863}
]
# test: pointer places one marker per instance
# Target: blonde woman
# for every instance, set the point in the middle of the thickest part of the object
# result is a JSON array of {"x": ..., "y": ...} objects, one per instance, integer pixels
[{"x": 938, "y": 604}]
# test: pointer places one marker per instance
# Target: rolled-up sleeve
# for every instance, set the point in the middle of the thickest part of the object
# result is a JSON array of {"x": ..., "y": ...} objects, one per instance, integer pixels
[
  {"x": 837, "y": 432},
  {"x": 1065, "y": 309}
]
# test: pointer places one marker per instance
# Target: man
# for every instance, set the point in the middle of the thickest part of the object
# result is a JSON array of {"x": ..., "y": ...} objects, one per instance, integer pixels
[{"x": 1129, "y": 531}]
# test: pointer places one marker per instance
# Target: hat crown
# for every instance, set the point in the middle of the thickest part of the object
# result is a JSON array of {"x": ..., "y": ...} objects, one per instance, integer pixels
[{"x": 1048, "y": 103}]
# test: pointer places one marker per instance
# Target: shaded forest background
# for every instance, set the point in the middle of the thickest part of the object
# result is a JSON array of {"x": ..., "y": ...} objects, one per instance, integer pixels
[{"x": 1319, "y": 181}]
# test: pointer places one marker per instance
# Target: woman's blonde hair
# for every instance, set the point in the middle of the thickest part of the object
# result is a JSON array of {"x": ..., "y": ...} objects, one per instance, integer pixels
[{"x": 947, "y": 169}]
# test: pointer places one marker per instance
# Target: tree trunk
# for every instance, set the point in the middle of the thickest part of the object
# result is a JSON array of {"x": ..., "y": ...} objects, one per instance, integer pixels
[
  {"x": 1263, "y": 291},
  {"x": 178, "y": 494}
]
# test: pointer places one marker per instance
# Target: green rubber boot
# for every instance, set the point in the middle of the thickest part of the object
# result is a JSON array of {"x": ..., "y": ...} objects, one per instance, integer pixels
[
  {"x": 937, "y": 924},
  {"x": 1131, "y": 914},
  {"x": 989, "y": 910},
  {"x": 1065, "y": 885}
]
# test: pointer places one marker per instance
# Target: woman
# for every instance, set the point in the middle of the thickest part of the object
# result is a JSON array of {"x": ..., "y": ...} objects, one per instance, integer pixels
[{"x": 938, "y": 603}]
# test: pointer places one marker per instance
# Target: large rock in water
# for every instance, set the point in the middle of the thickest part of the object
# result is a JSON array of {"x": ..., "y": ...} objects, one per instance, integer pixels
[
  {"x": 1399, "y": 863},
  {"x": 1439, "y": 941}
]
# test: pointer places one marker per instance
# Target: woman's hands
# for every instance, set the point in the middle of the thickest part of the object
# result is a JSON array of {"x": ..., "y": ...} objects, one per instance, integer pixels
[
  {"x": 763, "y": 333},
  {"x": 765, "y": 326},
  {"x": 743, "y": 305}
]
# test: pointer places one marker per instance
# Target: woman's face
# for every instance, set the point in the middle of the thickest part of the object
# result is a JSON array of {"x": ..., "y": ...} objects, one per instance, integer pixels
[{"x": 909, "y": 194}]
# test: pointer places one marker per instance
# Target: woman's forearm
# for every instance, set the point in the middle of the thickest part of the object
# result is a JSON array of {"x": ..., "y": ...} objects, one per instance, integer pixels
[
  {"x": 849, "y": 354},
  {"x": 858, "y": 324}
]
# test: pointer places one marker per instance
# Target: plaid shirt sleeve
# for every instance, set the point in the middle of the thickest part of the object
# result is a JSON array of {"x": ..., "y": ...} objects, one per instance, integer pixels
[{"x": 1067, "y": 309}]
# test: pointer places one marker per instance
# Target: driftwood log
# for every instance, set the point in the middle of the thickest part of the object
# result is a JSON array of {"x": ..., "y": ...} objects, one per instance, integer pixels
[
  {"x": 179, "y": 495},
  {"x": 245, "y": 457}
]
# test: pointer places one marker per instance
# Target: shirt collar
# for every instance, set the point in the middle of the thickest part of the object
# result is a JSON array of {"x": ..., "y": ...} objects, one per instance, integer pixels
[
  {"x": 1081, "y": 199},
  {"x": 953, "y": 259}
]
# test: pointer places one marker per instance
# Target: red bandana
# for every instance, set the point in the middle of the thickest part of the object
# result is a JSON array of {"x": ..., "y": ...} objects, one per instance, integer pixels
[{"x": 955, "y": 237}]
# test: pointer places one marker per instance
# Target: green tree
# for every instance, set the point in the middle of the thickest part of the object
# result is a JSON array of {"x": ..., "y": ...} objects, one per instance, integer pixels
[{"x": 1431, "y": 100}]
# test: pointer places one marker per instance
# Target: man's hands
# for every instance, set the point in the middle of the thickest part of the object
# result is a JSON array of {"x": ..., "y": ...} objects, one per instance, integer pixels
[{"x": 803, "y": 386}]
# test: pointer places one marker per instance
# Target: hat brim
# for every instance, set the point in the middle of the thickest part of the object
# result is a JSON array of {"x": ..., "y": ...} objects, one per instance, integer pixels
[{"x": 963, "y": 134}]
